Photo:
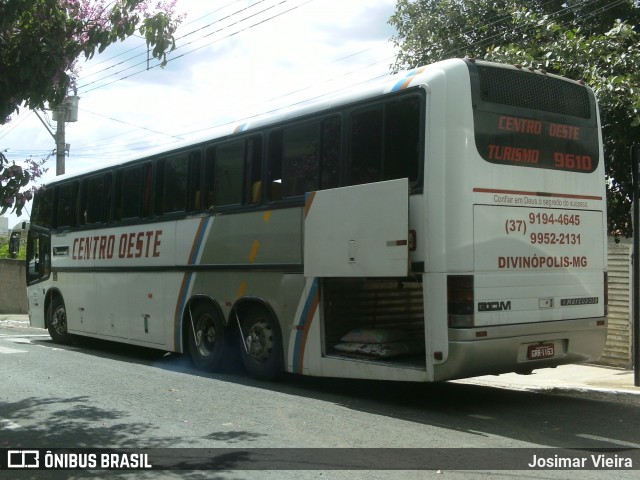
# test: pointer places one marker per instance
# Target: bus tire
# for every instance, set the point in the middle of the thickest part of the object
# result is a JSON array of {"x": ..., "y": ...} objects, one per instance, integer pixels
[
  {"x": 261, "y": 346},
  {"x": 206, "y": 338},
  {"x": 57, "y": 321}
]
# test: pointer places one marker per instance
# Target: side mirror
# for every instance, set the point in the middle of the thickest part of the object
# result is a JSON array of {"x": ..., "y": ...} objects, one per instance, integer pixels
[{"x": 14, "y": 244}]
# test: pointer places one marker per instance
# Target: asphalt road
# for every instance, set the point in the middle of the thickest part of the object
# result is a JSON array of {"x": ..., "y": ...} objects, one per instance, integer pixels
[{"x": 105, "y": 395}]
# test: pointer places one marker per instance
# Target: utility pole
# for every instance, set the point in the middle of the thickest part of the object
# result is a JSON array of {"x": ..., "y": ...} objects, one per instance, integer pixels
[
  {"x": 66, "y": 112},
  {"x": 61, "y": 147}
]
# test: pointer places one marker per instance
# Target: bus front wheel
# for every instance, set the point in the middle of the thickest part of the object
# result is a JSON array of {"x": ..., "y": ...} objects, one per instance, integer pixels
[
  {"x": 261, "y": 348},
  {"x": 57, "y": 321},
  {"x": 206, "y": 338}
]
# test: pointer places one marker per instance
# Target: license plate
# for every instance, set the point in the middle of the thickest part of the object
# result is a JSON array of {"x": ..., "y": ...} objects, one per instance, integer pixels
[{"x": 536, "y": 352}]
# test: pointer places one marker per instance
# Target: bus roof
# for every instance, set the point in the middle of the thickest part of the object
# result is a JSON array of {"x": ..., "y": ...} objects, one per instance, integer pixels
[{"x": 388, "y": 84}]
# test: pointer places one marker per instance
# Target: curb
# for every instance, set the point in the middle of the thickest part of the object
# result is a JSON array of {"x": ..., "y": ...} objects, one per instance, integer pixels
[{"x": 557, "y": 389}]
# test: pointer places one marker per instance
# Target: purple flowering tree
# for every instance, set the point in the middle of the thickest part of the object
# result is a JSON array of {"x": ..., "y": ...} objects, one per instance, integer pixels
[{"x": 41, "y": 42}]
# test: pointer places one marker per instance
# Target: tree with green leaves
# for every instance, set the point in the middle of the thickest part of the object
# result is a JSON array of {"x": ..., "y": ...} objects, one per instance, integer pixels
[
  {"x": 41, "y": 42},
  {"x": 592, "y": 40}
]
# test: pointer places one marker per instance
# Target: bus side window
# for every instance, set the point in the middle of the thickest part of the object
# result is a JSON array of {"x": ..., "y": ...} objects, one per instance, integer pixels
[
  {"x": 45, "y": 248},
  {"x": 147, "y": 190},
  {"x": 43, "y": 207},
  {"x": 117, "y": 204},
  {"x": 107, "y": 214},
  {"x": 158, "y": 190},
  {"x": 330, "y": 153},
  {"x": 93, "y": 193},
  {"x": 195, "y": 181},
  {"x": 174, "y": 187},
  {"x": 229, "y": 174},
  {"x": 38, "y": 257},
  {"x": 253, "y": 182},
  {"x": 275, "y": 165},
  {"x": 300, "y": 164},
  {"x": 209, "y": 178},
  {"x": 67, "y": 205},
  {"x": 128, "y": 193},
  {"x": 365, "y": 152},
  {"x": 33, "y": 257},
  {"x": 402, "y": 139}
]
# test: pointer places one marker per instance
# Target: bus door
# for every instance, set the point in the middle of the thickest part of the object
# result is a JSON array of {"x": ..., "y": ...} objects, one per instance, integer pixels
[
  {"x": 358, "y": 231},
  {"x": 38, "y": 271},
  {"x": 356, "y": 260},
  {"x": 74, "y": 277}
]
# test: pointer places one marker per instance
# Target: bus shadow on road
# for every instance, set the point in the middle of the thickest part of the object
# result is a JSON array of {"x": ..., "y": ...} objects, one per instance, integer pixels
[
  {"x": 567, "y": 420},
  {"x": 141, "y": 355}
]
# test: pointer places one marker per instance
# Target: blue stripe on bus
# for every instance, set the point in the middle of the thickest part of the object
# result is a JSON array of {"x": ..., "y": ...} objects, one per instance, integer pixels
[
  {"x": 407, "y": 79},
  {"x": 398, "y": 86},
  {"x": 186, "y": 282},
  {"x": 303, "y": 326},
  {"x": 199, "y": 240}
]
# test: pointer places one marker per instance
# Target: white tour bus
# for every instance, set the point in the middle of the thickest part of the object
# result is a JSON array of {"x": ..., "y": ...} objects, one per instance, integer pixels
[{"x": 448, "y": 224}]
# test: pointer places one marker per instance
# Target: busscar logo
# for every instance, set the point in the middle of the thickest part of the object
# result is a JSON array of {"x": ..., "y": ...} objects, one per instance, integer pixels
[
  {"x": 23, "y": 459},
  {"x": 494, "y": 306}
]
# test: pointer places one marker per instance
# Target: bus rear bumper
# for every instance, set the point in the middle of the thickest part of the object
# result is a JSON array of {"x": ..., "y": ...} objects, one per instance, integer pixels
[{"x": 521, "y": 348}]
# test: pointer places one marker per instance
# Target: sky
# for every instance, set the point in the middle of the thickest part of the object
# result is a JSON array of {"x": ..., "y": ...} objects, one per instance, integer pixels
[{"x": 235, "y": 59}]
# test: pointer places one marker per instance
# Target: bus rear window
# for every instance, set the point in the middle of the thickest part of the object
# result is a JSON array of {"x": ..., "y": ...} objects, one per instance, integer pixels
[{"x": 530, "y": 119}]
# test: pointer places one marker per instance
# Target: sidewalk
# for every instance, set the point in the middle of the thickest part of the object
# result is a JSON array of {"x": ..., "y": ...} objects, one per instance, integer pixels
[
  {"x": 14, "y": 320},
  {"x": 581, "y": 377}
]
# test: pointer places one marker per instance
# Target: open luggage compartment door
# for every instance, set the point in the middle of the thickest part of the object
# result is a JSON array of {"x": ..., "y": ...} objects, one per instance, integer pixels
[{"x": 358, "y": 231}]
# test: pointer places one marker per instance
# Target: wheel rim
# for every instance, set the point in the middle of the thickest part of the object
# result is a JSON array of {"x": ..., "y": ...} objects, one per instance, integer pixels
[
  {"x": 205, "y": 335},
  {"x": 59, "y": 321},
  {"x": 260, "y": 341}
]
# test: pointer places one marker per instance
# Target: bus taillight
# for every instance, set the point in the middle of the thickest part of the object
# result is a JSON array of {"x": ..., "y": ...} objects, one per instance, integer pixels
[{"x": 460, "y": 304}]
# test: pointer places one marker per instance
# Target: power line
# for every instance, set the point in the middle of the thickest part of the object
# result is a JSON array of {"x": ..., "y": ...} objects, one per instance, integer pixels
[
  {"x": 189, "y": 52},
  {"x": 14, "y": 124},
  {"x": 143, "y": 45},
  {"x": 144, "y": 62},
  {"x": 557, "y": 14},
  {"x": 344, "y": 75},
  {"x": 131, "y": 124},
  {"x": 144, "y": 145}
]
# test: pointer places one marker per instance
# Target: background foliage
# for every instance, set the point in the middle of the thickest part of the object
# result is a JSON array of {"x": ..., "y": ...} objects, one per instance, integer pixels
[
  {"x": 593, "y": 40},
  {"x": 41, "y": 42}
]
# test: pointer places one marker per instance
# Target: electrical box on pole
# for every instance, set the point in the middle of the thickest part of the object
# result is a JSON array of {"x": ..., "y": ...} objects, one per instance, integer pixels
[{"x": 66, "y": 112}]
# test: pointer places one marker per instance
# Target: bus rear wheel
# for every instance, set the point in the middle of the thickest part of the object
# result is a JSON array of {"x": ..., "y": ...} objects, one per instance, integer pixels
[
  {"x": 206, "y": 338},
  {"x": 57, "y": 322},
  {"x": 261, "y": 350}
]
